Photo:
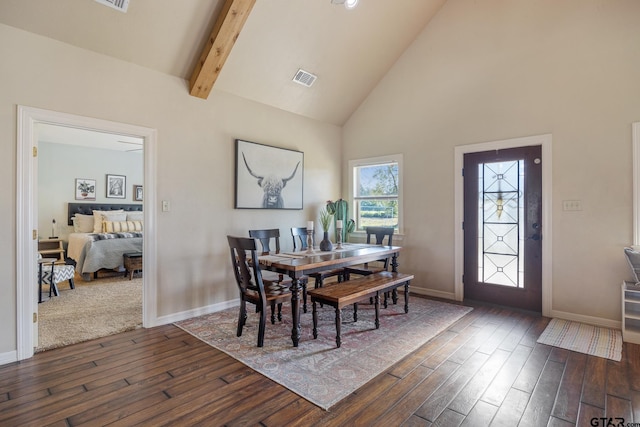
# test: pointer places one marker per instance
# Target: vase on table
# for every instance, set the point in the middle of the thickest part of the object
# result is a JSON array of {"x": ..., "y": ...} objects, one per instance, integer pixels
[{"x": 325, "y": 244}]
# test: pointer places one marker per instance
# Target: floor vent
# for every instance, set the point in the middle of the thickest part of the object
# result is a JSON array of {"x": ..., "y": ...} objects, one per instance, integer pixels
[
  {"x": 120, "y": 5},
  {"x": 305, "y": 78}
]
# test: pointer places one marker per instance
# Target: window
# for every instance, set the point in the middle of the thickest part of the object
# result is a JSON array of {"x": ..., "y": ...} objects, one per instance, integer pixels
[{"x": 376, "y": 186}]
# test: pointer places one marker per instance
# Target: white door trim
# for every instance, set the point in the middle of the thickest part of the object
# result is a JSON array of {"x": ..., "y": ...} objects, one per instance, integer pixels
[
  {"x": 26, "y": 215},
  {"x": 543, "y": 140}
]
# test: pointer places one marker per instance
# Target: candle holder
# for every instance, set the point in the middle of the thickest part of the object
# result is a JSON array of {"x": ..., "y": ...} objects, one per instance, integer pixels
[
  {"x": 339, "y": 242},
  {"x": 309, "y": 241}
]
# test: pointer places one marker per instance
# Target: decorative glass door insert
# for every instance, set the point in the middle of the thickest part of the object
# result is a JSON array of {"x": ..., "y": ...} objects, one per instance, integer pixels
[{"x": 501, "y": 233}]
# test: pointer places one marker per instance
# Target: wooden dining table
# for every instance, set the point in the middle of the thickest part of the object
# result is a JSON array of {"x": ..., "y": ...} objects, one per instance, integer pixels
[{"x": 299, "y": 264}]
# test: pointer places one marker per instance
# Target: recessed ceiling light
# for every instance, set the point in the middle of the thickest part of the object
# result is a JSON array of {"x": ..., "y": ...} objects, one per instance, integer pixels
[{"x": 350, "y": 4}]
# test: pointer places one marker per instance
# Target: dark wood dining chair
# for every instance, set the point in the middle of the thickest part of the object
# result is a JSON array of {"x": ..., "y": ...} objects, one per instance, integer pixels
[
  {"x": 299, "y": 235},
  {"x": 244, "y": 259},
  {"x": 267, "y": 238},
  {"x": 378, "y": 234}
]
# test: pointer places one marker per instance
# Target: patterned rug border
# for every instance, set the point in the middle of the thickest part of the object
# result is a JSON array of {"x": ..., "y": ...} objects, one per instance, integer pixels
[
  {"x": 583, "y": 338},
  {"x": 376, "y": 349}
]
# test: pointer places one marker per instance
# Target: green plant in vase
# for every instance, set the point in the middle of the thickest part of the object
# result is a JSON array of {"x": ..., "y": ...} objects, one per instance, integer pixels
[
  {"x": 340, "y": 211},
  {"x": 325, "y": 222}
]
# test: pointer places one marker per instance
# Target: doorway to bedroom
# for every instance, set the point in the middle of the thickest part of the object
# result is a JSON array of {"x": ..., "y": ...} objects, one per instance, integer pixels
[
  {"x": 28, "y": 225},
  {"x": 79, "y": 169}
]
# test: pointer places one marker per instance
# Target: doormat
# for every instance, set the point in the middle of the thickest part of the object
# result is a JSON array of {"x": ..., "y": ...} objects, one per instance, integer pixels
[{"x": 583, "y": 338}]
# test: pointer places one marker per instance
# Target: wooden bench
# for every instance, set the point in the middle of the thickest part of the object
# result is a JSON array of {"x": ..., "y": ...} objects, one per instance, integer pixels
[{"x": 352, "y": 291}]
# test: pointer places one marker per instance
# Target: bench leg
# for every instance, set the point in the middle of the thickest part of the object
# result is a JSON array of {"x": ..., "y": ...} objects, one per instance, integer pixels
[
  {"x": 338, "y": 324},
  {"x": 394, "y": 295},
  {"x": 355, "y": 312},
  {"x": 406, "y": 297},
  {"x": 377, "y": 305},
  {"x": 314, "y": 313}
]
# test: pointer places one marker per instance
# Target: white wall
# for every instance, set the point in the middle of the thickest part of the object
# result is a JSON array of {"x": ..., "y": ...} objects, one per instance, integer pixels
[
  {"x": 58, "y": 167},
  {"x": 499, "y": 69},
  {"x": 195, "y": 161}
]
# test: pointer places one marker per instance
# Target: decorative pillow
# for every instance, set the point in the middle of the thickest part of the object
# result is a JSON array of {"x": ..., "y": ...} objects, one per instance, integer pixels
[
  {"x": 114, "y": 217},
  {"x": 121, "y": 226},
  {"x": 135, "y": 216},
  {"x": 97, "y": 219},
  {"x": 83, "y": 223},
  {"x": 633, "y": 257}
]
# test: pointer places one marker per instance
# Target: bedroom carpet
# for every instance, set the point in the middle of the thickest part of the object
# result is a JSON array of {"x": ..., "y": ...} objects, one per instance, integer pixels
[
  {"x": 93, "y": 309},
  {"x": 316, "y": 369},
  {"x": 583, "y": 338}
]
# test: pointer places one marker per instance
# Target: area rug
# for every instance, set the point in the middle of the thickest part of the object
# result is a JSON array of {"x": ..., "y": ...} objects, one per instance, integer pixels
[
  {"x": 316, "y": 369},
  {"x": 92, "y": 310},
  {"x": 583, "y": 338}
]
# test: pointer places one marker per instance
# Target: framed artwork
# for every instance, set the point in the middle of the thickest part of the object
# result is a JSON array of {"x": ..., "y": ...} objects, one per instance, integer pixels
[
  {"x": 268, "y": 177},
  {"x": 137, "y": 193},
  {"x": 85, "y": 189},
  {"x": 116, "y": 186}
]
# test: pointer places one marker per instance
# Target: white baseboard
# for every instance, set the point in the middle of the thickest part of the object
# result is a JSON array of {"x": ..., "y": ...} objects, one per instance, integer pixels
[
  {"x": 183, "y": 315},
  {"x": 8, "y": 357},
  {"x": 431, "y": 293},
  {"x": 590, "y": 320}
]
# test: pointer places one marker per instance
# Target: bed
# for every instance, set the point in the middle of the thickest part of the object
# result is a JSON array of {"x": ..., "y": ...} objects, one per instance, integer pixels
[{"x": 95, "y": 249}]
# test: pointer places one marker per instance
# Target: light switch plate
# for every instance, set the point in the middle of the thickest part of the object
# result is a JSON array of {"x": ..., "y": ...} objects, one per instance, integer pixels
[{"x": 571, "y": 205}]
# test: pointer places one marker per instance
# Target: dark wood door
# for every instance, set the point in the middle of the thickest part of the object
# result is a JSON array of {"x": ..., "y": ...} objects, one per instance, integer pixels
[{"x": 503, "y": 227}]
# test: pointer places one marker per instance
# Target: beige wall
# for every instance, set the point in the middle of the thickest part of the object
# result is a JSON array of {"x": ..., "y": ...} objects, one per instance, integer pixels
[
  {"x": 195, "y": 161},
  {"x": 499, "y": 69}
]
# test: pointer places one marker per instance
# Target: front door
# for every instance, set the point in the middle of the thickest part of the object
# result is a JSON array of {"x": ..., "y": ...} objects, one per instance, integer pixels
[{"x": 503, "y": 227}]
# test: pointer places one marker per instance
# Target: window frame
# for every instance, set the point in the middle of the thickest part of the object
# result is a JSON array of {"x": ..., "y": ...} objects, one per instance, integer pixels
[{"x": 372, "y": 161}]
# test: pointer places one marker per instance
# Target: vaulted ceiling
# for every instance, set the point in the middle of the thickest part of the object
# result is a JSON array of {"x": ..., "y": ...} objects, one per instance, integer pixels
[{"x": 348, "y": 50}]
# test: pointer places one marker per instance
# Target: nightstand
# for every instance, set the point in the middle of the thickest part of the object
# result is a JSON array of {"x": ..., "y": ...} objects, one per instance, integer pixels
[{"x": 51, "y": 248}]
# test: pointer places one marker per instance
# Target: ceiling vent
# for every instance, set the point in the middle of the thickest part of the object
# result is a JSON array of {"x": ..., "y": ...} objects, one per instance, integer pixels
[
  {"x": 120, "y": 5},
  {"x": 304, "y": 78}
]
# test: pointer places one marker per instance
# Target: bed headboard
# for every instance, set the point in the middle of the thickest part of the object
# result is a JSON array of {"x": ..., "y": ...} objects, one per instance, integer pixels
[{"x": 88, "y": 208}]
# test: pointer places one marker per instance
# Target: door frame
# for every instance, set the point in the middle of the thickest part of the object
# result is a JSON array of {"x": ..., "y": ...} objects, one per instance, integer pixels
[
  {"x": 459, "y": 151},
  {"x": 27, "y": 204}
]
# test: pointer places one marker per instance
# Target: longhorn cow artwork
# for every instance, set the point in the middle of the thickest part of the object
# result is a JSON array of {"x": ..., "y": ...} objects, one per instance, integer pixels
[{"x": 268, "y": 177}]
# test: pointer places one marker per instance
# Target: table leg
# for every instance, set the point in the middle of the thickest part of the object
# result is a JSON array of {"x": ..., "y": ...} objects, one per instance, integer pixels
[
  {"x": 394, "y": 262},
  {"x": 295, "y": 310}
]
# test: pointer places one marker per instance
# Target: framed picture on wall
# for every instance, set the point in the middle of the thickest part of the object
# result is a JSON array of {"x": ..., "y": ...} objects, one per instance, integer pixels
[
  {"x": 137, "y": 193},
  {"x": 116, "y": 186},
  {"x": 85, "y": 189},
  {"x": 268, "y": 177}
]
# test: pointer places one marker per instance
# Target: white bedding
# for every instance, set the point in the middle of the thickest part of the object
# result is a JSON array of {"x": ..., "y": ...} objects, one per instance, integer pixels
[
  {"x": 93, "y": 252},
  {"x": 76, "y": 243}
]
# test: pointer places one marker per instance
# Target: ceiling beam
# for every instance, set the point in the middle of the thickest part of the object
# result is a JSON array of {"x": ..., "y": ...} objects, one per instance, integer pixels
[{"x": 225, "y": 32}]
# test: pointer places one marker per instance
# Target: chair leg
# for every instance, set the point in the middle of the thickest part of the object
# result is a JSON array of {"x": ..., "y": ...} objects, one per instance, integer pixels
[
  {"x": 304, "y": 298},
  {"x": 377, "y": 307},
  {"x": 314, "y": 313},
  {"x": 338, "y": 326},
  {"x": 242, "y": 317},
  {"x": 261, "y": 327},
  {"x": 72, "y": 284},
  {"x": 273, "y": 313},
  {"x": 279, "y": 312}
]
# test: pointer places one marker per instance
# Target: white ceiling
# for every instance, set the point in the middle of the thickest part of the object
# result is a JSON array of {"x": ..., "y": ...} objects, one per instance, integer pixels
[
  {"x": 349, "y": 50},
  {"x": 58, "y": 134}
]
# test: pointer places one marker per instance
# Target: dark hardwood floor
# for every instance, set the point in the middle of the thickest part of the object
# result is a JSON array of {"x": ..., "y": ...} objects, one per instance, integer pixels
[{"x": 487, "y": 369}]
